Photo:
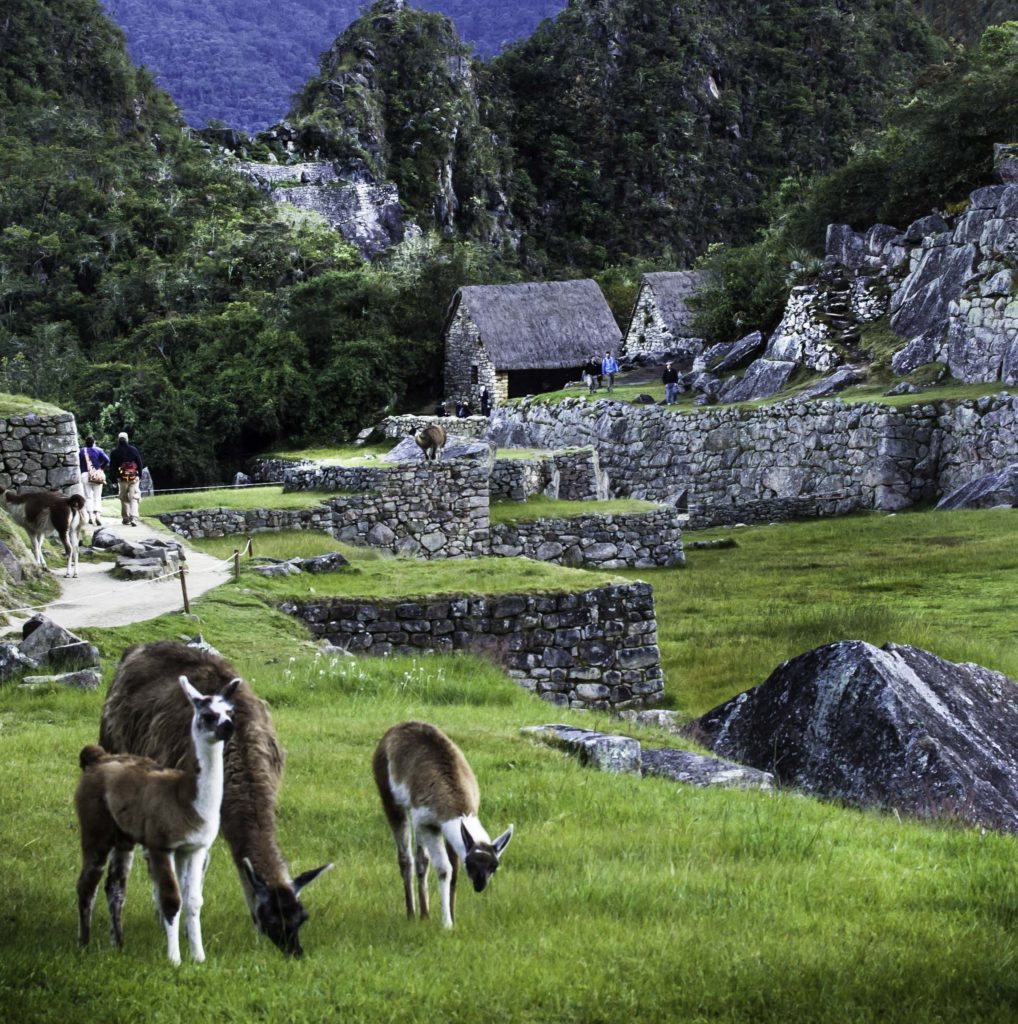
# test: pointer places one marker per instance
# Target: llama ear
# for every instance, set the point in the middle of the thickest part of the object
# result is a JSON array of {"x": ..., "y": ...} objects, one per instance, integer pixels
[
  {"x": 261, "y": 890},
  {"x": 308, "y": 877},
  {"x": 468, "y": 839},
  {"x": 230, "y": 688},
  {"x": 503, "y": 841},
  {"x": 189, "y": 691}
]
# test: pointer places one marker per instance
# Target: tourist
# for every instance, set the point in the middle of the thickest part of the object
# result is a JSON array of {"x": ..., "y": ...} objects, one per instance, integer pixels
[
  {"x": 485, "y": 402},
  {"x": 670, "y": 379},
  {"x": 126, "y": 465},
  {"x": 609, "y": 367},
  {"x": 592, "y": 373},
  {"x": 92, "y": 463}
]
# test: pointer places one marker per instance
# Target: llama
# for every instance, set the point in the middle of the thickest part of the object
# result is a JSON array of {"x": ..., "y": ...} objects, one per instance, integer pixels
[
  {"x": 427, "y": 786},
  {"x": 122, "y": 800},
  {"x": 41, "y": 512},
  {"x": 431, "y": 440},
  {"x": 144, "y": 714}
]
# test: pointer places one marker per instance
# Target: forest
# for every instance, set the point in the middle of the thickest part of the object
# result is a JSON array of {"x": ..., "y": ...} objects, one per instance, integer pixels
[{"x": 147, "y": 287}]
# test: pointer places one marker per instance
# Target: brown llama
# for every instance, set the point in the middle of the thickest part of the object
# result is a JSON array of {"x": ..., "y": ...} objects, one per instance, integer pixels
[
  {"x": 145, "y": 714},
  {"x": 431, "y": 800},
  {"x": 431, "y": 440},
  {"x": 43, "y": 512},
  {"x": 123, "y": 800}
]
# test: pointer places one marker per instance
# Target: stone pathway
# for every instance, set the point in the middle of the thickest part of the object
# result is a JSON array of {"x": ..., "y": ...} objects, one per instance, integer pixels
[{"x": 96, "y": 598}]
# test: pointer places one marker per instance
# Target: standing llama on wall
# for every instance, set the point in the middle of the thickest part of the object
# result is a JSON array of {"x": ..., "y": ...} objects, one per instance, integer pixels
[
  {"x": 123, "y": 800},
  {"x": 43, "y": 512},
  {"x": 428, "y": 788},
  {"x": 431, "y": 440},
  {"x": 144, "y": 713}
]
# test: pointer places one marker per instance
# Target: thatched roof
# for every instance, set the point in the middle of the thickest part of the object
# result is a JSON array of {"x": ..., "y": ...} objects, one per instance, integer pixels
[
  {"x": 670, "y": 291},
  {"x": 540, "y": 325}
]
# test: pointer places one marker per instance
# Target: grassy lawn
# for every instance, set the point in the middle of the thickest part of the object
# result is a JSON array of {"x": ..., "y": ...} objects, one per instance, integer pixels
[
  {"x": 540, "y": 507},
  {"x": 344, "y": 455},
  {"x": 619, "y": 899},
  {"x": 267, "y": 496},
  {"x": 20, "y": 405}
]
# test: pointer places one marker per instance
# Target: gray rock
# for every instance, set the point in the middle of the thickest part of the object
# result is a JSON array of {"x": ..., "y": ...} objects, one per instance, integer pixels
[
  {"x": 845, "y": 246},
  {"x": 46, "y": 643},
  {"x": 904, "y": 388},
  {"x": 843, "y": 377},
  {"x": 330, "y": 562},
  {"x": 241, "y": 480},
  {"x": 925, "y": 226},
  {"x": 616, "y": 754},
  {"x": 893, "y": 727},
  {"x": 13, "y": 661},
  {"x": 739, "y": 353},
  {"x": 457, "y": 446},
  {"x": 919, "y": 307},
  {"x": 763, "y": 378},
  {"x": 84, "y": 679},
  {"x": 699, "y": 770},
  {"x": 1005, "y": 162},
  {"x": 989, "y": 491}
]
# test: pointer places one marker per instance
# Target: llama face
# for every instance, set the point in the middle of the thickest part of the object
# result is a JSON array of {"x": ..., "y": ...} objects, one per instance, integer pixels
[
  {"x": 213, "y": 716},
  {"x": 482, "y": 859},
  {"x": 278, "y": 911}
]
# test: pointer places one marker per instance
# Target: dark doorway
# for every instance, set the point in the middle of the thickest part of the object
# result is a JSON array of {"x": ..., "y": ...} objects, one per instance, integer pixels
[{"x": 533, "y": 382}]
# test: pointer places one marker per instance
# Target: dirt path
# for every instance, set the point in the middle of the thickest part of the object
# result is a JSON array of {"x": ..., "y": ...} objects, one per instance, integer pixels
[{"x": 95, "y": 598}]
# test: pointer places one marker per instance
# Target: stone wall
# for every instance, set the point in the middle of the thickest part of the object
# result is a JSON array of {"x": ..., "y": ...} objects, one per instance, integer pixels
[
  {"x": 273, "y": 471},
  {"x": 397, "y": 427},
  {"x": 594, "y": 649},
  {"x": 39, "y": 451},
  {"x": 467, "y": 358},
  {"x": 519, "y": 479},
  {"x": 845, "y": 457},
  {"x": 643, "y": 540}
]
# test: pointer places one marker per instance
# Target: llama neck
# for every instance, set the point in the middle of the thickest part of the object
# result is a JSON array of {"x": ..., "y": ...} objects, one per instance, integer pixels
[
  {"x": 454, "y": 837},
  {"x": 209, "y": 781}
]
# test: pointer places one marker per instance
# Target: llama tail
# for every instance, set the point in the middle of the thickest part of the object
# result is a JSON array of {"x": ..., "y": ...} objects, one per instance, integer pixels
[
  {"x": 90, "y": 756},
  {"x": 76, "y": 501}
]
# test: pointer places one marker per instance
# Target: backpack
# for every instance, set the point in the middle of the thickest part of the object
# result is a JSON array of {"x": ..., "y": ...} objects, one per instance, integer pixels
[{"x": 128, "y": 470}]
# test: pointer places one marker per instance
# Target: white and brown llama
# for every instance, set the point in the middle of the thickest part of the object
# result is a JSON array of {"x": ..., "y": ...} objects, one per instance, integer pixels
[
  {"x": 431, "y": 440},
  {"x": 431, "y": 799},
  {"x": 145, "y": 713},
  {"x": 43, "y": 512},
  {"x": 123, "y": 800}
]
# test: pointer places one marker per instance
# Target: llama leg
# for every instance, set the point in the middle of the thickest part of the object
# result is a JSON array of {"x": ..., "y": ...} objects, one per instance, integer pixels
[
  {"x": 454, "y": 863},
  {"x": 422, "y": 863},
  {"x": 191, "y": 872},
  {"x": 160, "y": 866},
  {"x": 443, "y": 868},
  {"x": 40, "y": 561},
  {"x": 93, "y": 863},
  {"x": 404, "y": 856},
  {"x": 116, "y": 890}
]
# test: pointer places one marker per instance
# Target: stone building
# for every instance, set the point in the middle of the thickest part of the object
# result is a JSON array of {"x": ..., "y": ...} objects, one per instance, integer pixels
[
  {"x": 662, "y": 320},
  {"x": 518, "y": 339}
]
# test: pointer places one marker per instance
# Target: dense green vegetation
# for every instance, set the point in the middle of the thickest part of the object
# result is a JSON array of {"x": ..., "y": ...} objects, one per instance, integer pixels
[
  {"x": 618, "y": 897},
  {"x": 934, "y": 151}
]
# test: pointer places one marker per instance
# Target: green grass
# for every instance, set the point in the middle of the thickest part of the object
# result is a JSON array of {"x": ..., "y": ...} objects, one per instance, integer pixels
[
  {"x": 20, "y": 405},
  {"x": 941, "y": 580},
  {"x": 618, "y": 899},
  {"x": 345, "y": 455},
  {"x": 269, "y": 496},
  {"x": 539, "y": 507}
]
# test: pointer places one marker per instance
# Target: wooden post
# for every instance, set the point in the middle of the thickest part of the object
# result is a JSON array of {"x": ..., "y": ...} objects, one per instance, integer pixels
[
  {"x": 182, "y": 573},
  {"x": 250, "y": 546},
  {"x": 236, "y": 565}
]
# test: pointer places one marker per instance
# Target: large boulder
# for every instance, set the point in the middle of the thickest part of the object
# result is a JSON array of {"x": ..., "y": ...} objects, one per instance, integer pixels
[
  {"x": 989, "y": 491},
  {"x": 895, "y": 727},
  {"x": 763, "y": 378}
]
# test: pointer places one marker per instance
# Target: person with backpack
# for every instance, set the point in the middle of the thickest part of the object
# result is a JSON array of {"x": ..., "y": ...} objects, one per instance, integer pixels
[
  {"x": 126, "y": 465},
  {"x": 609, "y": 367},
  {"x": 92, "y": 463}
]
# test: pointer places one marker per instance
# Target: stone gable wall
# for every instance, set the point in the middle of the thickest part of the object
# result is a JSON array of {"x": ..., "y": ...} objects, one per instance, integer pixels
[
  {"x": 464, "y": 349},
  {"x": 845, "y": 457},
  {"x": 643, "y": 540},
  {"x": 39, "y": 451},
  {"x": 596, "y": 649}
]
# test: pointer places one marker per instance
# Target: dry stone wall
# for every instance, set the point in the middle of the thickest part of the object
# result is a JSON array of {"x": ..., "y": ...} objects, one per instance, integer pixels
[
  {"x": 845, "y": 457},
  {"x": 594, "y": 649},
  {"x": 643, "y": 541},
  {"x": 39, "y": 451}
]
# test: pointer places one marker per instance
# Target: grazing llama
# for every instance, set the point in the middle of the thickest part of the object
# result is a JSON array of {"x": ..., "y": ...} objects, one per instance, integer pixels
[
  {"x": 427, "y": 786},
  {"x": 42, "y": 512},
  {"x": 145, "y": 713},
  {"x": 431, "y": 440},
  {"x": 122, "y": 800}
]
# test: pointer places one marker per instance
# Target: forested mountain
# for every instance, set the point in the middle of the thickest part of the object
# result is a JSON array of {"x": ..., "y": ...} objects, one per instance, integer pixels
[
  {"x": 239, "y": 61},
  {"x": 965, "y": 20},
  {"x": 148, "y": 288}
]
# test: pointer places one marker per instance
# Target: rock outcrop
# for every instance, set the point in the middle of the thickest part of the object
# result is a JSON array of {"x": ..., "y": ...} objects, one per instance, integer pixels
[
  {"x": 894, "y": 727},
  {"x": 989, "y": 491}
]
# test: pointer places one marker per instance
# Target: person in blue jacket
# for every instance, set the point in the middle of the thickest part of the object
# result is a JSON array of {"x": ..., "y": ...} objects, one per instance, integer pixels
[{"x": 609, "y": 367}]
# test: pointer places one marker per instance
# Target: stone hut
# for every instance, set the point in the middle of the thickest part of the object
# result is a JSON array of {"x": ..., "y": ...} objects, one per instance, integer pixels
[
  {"x": 519, "y": 339},
  {"x": 662, "y": 320}
]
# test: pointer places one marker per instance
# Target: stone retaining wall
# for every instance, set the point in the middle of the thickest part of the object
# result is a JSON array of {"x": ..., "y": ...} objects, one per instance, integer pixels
[
  {"x": 39, "y": 451},
  {"x": 519, "y": 479},
  {"x": 273, "y": 471},
  {"x": 397, "y": 427},
  {"x": 594, "y": 649},
  {"x": 845, "y": 457},
  {"x": 642, "y": 540}
]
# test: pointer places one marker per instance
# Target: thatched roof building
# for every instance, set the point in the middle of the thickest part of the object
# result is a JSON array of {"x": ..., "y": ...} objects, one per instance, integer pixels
[
  {"x": 516, "y": 338},
  {"x": 662, "y": 320}
]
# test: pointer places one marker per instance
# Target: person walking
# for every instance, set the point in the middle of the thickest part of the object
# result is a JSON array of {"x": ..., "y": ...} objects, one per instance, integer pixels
[
  {"x": 609, "y": 367},
  {"x": 670, "y": 379},
  {"x": 592, "y": 373},
  {"x": 92, "y": 462},
  {"x": 126, "y": 465},
  {"x": 485, "y": 402}
]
